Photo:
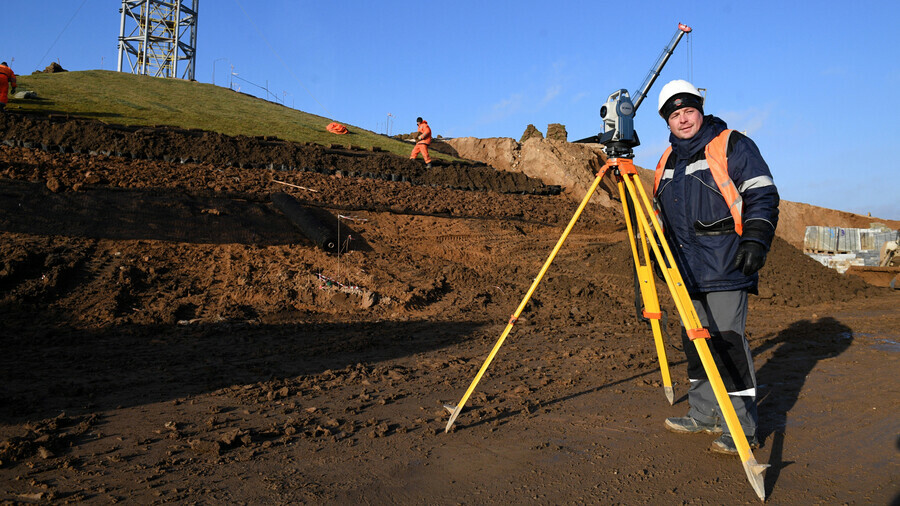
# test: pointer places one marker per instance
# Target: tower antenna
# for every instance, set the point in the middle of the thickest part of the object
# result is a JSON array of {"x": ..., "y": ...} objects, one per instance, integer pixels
[{"x": 162, "y": 41}]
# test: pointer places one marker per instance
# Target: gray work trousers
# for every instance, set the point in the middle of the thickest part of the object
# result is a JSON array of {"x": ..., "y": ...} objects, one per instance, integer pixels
[{"x": 724, "y": 314}]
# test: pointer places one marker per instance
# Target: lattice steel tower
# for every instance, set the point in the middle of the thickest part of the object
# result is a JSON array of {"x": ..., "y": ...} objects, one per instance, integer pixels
[{"x": 163, "y": 40}]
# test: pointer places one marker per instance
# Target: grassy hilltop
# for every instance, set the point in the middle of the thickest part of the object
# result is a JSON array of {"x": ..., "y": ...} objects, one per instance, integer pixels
[{"x": 128, "y": 99}]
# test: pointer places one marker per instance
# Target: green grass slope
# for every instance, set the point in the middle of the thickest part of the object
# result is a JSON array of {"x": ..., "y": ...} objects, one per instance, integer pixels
[{"x": 128, "y": 99}]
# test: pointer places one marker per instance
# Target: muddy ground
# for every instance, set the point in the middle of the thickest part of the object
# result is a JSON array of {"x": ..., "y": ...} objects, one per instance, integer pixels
[{"x": 169, "y": 336}]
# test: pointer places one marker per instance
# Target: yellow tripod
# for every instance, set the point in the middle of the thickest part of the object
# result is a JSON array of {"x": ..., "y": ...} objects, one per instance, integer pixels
[{"x": 639, "y": 217}]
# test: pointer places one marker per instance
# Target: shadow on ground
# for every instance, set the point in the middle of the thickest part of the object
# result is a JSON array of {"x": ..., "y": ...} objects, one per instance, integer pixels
[
  {"x": 797, "y": 350},
  {"x": 162, "y": 215},
  {"x": 51, "y": 369}
]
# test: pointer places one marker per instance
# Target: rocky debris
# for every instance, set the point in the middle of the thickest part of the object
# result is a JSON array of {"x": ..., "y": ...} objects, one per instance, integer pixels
[
  {"x": 25, "y": 94},
  {"x": 47, "y": 438},
  {"x": 571, "y": 166},
  {"x": 531, "y": 133},
  {"x": 54, "y": 185},
  {"x": 557, "y": 132},
  {"x": 51, "y": 69}
]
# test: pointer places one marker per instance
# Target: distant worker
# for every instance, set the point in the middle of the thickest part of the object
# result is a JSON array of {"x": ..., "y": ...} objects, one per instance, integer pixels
[
  {"x": 7, "y": 79},
  {"x": 423, "y": 139},
  {"x": 719, "y": 209}
]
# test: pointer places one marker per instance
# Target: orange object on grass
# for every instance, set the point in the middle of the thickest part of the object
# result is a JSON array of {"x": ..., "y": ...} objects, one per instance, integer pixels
[{"x": 336, "y": 128}]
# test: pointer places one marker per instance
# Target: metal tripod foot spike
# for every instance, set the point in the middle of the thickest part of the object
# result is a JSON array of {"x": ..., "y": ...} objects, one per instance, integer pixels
[
  {"x": 756, "y": 474},
  {"x": 647, "y": 222},
  {"x": 454, "y": 412},
  {"x": 670, "y": 395}
]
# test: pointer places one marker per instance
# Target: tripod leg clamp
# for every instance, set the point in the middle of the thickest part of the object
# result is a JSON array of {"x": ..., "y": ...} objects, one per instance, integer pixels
[
  {"x": 651, "y": 316},
  {"x": 700, "y": 333},
  {"x": 512, "y": 320}
]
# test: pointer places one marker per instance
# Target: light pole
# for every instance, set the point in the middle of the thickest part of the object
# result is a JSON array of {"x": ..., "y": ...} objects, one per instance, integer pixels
[{"x": 214, "y": 69}]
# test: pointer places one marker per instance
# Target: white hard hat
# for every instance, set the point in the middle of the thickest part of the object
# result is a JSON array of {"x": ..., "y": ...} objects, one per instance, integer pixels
[{"x": 678, "y": 87}]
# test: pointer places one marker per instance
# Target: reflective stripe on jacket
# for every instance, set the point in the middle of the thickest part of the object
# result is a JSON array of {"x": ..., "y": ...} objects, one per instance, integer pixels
[
  {"x": 425, "y": 130},
  {"x": 699, "y": 225},
  {"x": 717, "y": 161}
]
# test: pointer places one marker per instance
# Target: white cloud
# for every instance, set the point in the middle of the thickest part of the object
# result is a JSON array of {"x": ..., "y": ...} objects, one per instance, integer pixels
[
  {"x": 552, "y": 92},
  {"x": 505, "y": 108},
  {"x": 748, "y": 120},
  {"x": 497, "y": 112},
  {"x": 580, "y": 96},
  {"x": 834, "y": 70}
]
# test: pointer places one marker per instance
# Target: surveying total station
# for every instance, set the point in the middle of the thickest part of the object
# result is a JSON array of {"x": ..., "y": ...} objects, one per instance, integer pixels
[{"x": 646, "y": 237}]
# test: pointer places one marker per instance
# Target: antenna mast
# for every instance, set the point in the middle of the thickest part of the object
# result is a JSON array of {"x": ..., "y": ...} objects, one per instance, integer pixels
[{"x": 163, "y": 40}]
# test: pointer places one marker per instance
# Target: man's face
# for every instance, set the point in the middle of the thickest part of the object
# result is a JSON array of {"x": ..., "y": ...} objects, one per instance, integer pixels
[{"x": 685, "y": 122}]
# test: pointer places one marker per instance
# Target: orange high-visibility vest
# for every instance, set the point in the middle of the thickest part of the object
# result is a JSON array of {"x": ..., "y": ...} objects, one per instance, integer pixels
[
  {"x": 7, "y": 78},
  {"x": 716, "y": 156},
  {"x": 425, "y": 130}
]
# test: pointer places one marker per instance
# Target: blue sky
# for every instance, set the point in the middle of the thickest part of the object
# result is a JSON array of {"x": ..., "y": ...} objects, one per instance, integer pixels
[{"x": 815, "y": 83}]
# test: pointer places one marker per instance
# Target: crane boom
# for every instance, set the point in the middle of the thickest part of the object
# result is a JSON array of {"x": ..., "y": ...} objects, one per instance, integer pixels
[
  {"x": 660, "y": 63},
  {"x": 618, "y": 112}
]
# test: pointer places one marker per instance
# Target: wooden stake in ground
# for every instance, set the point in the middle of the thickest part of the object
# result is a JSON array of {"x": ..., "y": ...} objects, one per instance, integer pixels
[{"x": 295, "y": 186}]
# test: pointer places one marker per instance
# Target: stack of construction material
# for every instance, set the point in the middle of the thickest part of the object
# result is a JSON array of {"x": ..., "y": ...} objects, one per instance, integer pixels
[
  {"x": 839, "y": 247},
  {"x": 821, "y": 239}
]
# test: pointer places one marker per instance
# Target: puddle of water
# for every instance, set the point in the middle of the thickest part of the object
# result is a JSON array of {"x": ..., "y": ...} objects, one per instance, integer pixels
[
  {"x": 885, "y": 344},
  {"x": 879, "y": 343}
]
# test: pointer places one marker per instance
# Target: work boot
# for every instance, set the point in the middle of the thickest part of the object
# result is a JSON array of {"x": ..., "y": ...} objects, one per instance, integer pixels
[
  {"x": 725, "y": 444},
  {"x": 689, "y": 425},
  {"x": 428, "y": 165}
]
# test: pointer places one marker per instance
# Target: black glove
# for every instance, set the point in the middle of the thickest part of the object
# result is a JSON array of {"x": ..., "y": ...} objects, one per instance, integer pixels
[
  {"x": 751, "y": 256},
  {"x": 14, "y": 90}
]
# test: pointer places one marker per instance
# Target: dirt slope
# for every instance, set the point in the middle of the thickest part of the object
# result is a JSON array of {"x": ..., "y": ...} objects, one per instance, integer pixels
[
  {"x": 168, "y": 335},
  {"x": 572, "y": 166}
]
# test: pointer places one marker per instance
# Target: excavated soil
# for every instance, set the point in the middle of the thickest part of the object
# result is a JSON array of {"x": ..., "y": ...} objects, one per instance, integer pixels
[{"x": 168, "y": 335}]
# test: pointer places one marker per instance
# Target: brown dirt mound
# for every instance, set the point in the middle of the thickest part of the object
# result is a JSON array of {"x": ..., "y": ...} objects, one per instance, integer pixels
[
  {"x": 169, "y": 335},
  {"x": 572, "y": 166},
  {"x": 58, "y": 134},
  {"x": 51, "y": 69}
]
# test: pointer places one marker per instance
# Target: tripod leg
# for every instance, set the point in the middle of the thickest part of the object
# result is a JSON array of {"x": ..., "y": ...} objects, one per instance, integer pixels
[
  {"x": 647, "y": 284},
  {"x": 455, "y": 410},
  {"x": 698, "y": 335}
]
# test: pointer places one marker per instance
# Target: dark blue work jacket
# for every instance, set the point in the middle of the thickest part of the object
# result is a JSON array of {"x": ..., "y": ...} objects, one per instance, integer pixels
[{"x": 696, "y": 219}]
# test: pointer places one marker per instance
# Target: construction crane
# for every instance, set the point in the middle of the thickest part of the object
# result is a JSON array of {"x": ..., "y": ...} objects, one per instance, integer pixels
[
  {"x": 660, "y": 63},
  {"x": 618, "y": 112}
]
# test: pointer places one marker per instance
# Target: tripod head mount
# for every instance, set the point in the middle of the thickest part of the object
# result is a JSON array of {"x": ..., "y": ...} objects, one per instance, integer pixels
[{"x": 617, "y": 149}]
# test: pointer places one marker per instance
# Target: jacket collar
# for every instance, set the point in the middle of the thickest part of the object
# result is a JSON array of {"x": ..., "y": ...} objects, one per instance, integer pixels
[{"x": 686, "y": 148}]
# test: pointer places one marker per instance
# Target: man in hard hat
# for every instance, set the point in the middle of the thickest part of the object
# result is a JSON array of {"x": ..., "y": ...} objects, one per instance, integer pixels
[
  {"x": 7, "y": 79},
  {"x": 719, "y": 209},
  {"x": 423, "y": 139}
]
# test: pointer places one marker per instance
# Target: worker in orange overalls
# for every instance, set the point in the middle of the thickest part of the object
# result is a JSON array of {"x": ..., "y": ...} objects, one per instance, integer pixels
[
  {"x": 422, "y": 142},
  {"x": 7, "y": 78}
]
